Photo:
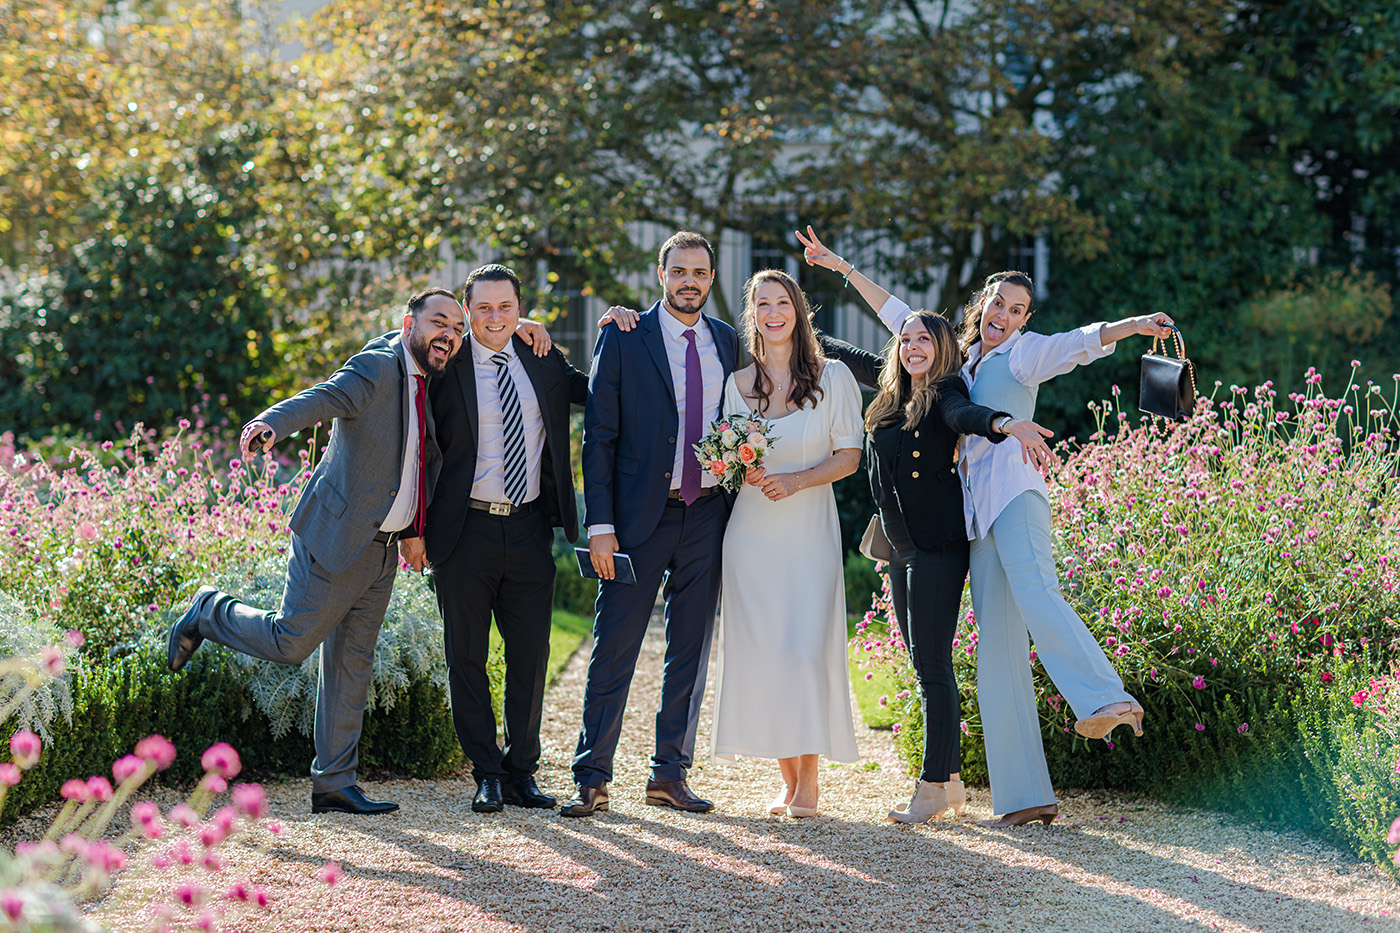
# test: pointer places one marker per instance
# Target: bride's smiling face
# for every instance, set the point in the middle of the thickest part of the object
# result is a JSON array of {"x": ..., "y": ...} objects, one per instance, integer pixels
[{"x": 774, "y": 313}]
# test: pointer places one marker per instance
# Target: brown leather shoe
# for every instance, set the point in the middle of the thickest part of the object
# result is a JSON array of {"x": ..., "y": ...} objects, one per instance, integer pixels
[
  {"x": 677, "y": 795},
  {"x": 585, "y": 801}
]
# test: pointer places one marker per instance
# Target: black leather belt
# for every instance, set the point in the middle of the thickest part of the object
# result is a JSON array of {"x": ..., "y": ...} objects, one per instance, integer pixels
[
  {"x": 390, "y": 538},
  {"x": 502, "y": 508},
  {"x": 675, "y": 494}
]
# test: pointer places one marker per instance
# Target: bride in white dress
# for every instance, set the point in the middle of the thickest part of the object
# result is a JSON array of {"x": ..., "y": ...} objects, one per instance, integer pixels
[{"x": 784, "y": 689}]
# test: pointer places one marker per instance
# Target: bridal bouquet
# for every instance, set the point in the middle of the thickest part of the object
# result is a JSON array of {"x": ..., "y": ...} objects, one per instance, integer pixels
[{"x": 732, "y": 446}]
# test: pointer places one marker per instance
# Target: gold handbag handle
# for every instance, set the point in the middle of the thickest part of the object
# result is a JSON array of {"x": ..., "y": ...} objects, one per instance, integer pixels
[{"x": 1180, "y": 354}]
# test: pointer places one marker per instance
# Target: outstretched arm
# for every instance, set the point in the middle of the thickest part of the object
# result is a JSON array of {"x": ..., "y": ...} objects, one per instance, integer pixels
[
  {"x": 1152, "y": 325},
  {"x": 817, "y": 254},
  {"x": 863, "y": 364}
]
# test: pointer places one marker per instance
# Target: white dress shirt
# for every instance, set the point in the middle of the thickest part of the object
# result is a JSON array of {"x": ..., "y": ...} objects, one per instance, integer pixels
[
  {"x": 712, "y": 377},
  {"x": 994, "y": 474},
  {"x": 489, "y": 481},
  {"x": 405, "y": 508}
]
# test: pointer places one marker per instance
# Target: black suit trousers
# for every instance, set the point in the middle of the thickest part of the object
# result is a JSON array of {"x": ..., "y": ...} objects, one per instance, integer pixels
[
  {"x": 926, "y": 589},
  {"x": 501, "y": 566}
]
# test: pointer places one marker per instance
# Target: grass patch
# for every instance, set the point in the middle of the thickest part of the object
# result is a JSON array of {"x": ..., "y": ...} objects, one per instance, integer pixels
[
  {"x": 868, "y": 692},
  {"x": 566, "y": 632}
]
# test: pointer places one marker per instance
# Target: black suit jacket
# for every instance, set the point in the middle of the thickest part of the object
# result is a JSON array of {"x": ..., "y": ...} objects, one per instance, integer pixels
[
  {"x": 915, "y": 472},
  {"x": 557, "y": 386}
]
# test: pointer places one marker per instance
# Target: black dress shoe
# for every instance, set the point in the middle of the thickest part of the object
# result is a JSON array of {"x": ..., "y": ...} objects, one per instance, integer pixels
[
  {"x": 349, "y": 800},
  {"x": 522, "y": 791},
  {"x": 677, "y": 795},
  {"x": 184, "y": 634},
  {"x": 587, "y": 800},
  {"x": 488, "y": 797}
]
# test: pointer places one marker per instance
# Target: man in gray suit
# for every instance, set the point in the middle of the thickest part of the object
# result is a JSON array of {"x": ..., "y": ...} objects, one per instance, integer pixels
[{"x": 368, "y": 493}]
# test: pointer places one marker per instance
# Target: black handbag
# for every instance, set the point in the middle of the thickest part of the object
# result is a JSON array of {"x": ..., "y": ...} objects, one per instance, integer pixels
[{"x": 1168, "y": 386}]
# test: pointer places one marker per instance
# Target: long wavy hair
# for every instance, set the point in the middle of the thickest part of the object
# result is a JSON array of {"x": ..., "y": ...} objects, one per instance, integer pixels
[
  {"x": 970, "y": 333},
  {"x": 805, "y": 366},
  {"x": 900, "y": 396}
]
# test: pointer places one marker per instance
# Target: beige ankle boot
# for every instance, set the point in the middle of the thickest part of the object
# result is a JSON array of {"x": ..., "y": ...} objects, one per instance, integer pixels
[{"x": 930, "y": 802}]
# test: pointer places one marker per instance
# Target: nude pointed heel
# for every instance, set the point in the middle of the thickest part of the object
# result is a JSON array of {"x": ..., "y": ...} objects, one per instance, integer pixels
[{"x": 1102, "y": 722}]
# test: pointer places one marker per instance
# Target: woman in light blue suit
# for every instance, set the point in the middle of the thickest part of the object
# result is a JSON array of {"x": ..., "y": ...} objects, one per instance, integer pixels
[{"x": 1015, "y": 589}]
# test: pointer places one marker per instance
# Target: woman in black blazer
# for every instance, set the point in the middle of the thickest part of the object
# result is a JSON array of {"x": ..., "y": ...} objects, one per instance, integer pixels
[{"x": 912, "y": 431}]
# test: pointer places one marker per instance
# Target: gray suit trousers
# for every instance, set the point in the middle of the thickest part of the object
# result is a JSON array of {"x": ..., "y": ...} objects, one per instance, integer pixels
[{"x": 342, "y": 613}]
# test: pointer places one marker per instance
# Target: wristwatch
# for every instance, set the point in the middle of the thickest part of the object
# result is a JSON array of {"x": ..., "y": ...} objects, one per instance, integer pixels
[{"x": 1000, "y": 424}]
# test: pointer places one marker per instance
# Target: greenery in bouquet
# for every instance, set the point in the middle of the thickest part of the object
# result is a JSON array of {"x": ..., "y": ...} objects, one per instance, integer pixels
[{"x": 734, "y": 445}]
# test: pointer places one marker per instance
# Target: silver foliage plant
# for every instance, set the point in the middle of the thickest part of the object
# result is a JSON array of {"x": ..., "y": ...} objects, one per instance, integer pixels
[
  {"x": 22, "y": 635},
  {"x": 409, "y": 647}
]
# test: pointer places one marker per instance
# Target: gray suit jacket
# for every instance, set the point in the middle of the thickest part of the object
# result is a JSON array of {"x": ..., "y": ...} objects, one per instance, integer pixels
[{"x": 354, "y": 485}]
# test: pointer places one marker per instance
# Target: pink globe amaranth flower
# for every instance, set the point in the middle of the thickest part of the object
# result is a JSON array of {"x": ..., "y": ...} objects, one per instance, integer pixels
[
  {"x": 1199, "y": 683},
  {"x": 12, "y": 905},
  {"x": 963, "y": 726},
  {"x": 261, "y": 897},
  {"x": 9, "y": 774},
  {"x": 1200, "y": 727},
  {"x": 226, "y": 819},
  {"x": 1327, "y": 678},
  {"x": 99, "y": 787},
  {"x": 127, "y": 767},
  {"x": 210, "y": 836},
  {"x": 25, "y": 748},
  {"x": 251, "y": 800},
  {"x": 1242, "y": 728},
  {"x": 222, "y": 760},
  {"x": 158, "y": 750},
  {"x": 182, "y": 814},
  {"x": 51, "y": 660},
  {"x": 212, "y": 862},
  {"x": 1393, "y": 837},
  {"x": 896, "y": 728},
  {"x": 330, "y": 873},
  {"x": 74, "y": 638},
  {"x": 274, "y": 827},
  {"x": 189, "y": 894},
  {"x": 105, "y": 857},
  {"x": 239, "y": 892},
  {"x": 72, "y": 842},
  {"x": 214, "y": 783},
  {"x": 87, "y": 530},
  {"x": 74, "y": 789}
]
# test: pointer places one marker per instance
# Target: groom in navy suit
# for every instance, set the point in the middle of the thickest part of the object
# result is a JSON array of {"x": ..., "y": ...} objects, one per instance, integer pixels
[{"x": 653, "y": 393}]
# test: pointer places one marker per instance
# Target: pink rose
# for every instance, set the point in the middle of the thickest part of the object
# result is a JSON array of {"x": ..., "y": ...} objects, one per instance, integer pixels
[{"x": 717, "y": 467}]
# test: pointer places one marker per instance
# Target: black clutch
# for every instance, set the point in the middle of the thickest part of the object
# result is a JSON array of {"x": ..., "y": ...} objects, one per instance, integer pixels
[{"x": 1167, "y": 386}]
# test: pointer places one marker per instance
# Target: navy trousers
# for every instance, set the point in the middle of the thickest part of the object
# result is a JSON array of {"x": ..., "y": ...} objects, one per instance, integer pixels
[{"x": 684, "y": 551}]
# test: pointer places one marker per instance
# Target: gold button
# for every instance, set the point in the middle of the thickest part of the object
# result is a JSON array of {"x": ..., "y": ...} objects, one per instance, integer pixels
[
  {"x": 915, "y": 474},
  {"x": 916, "y": 453},
  {"x": 916, "y": 433}
]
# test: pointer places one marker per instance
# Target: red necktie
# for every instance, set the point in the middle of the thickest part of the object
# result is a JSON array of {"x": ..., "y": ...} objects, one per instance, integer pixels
[{"x": 420, "y": 403}]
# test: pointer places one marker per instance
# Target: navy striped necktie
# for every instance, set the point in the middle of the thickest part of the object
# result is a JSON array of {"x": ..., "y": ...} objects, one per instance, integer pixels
[{"x": 513, "y": 426}]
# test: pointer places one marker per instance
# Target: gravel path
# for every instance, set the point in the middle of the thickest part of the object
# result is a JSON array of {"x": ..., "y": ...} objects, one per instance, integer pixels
[{"x": 1108, "y": 864}]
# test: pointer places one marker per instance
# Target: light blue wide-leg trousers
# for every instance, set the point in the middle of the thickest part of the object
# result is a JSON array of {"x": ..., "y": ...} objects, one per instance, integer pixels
[{"x": 1016, "y": 598}]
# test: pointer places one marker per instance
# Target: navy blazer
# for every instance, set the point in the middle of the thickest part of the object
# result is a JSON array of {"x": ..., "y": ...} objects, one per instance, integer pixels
[
  {"x": 630, "y": 425},
  {"x": 557, "y": 385}
]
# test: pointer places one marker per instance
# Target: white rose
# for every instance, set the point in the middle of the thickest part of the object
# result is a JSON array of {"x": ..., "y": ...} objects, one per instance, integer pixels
[{"x": 729, "y": 439}]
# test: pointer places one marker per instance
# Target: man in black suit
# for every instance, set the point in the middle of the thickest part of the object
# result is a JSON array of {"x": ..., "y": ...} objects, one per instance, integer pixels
[{"x": 502, "y": 417}]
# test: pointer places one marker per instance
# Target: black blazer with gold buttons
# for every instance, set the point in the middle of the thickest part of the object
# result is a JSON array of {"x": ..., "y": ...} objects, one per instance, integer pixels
[{"x": 916, "y": 471}]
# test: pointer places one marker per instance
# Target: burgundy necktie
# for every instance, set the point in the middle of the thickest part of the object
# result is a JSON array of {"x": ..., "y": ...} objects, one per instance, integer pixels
[
  {"x": 420, "y": 403},
  {"x": 694, "y": 405}
]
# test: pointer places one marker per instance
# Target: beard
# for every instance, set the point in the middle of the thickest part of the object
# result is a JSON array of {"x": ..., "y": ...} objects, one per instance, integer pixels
[
  {"x": 419, "y": 345},
  {"x": 687, "y": 303}
]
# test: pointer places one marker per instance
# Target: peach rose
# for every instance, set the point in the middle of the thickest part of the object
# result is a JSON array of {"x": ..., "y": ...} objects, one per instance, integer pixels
[
  {"x": 717, "y": 467},
  {"x": 746, "y": 453}
]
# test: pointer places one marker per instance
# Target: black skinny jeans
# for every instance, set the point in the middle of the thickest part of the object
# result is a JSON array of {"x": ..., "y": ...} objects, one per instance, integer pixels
[{"x": 926, "y": 587}]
